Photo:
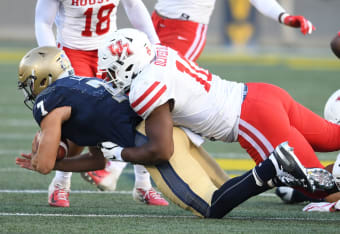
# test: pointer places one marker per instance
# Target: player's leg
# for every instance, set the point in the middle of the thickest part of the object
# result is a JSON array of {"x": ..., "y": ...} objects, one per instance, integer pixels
[
  {"x": 59, "y": 188},
  {"x": 261, "y": 132},
  {"x": 182, "y": 179},
  {"x": 321, "y": 134},
  {"x": 216, "y": 174},
  {"x": 143, "y": 190},
  {"x": 82, "y": 61},
  {"x": 186, "y": 183},
  {"x": 186, "y": 37},
  {"x": 265, "y": 122}
]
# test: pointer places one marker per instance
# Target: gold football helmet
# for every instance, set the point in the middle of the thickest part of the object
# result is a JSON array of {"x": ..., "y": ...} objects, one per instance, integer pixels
[{"x": 39, "y": 68}]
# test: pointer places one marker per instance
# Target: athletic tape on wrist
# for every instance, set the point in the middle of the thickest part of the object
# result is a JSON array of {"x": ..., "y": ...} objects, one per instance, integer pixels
[{"x": 117, "y": 152}]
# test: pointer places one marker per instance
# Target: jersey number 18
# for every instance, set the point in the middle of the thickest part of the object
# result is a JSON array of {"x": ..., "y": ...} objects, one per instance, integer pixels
[{"x": 103, "y": 17}]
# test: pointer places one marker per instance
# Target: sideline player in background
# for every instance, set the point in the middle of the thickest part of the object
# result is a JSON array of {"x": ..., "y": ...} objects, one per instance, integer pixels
[
  {"x": 166, "y": 89},
  {"x": 82, "y": 27},
  {"x": 62, "y": 106},
  {"x": 182, "y": 24},
  {"x": 335, "y": 45}
]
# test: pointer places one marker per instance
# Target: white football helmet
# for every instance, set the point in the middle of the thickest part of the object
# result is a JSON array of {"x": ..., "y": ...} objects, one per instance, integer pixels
[
  {"x": 336, "y": 172},
  {"x": 332, "y": 108},
  {"x": 127, "y": 53}
]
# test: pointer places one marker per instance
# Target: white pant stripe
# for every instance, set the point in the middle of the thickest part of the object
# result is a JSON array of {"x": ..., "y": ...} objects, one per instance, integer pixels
[
  {"x": 253, "y": 143},
  {"x": 198, "y": 42},
  {"x": 258, "y": 135}
]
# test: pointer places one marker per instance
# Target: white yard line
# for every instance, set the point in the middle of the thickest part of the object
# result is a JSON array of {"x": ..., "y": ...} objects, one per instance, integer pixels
[
  {"x": 161, "y": 216},
  {"x": 40, "y": 191}
]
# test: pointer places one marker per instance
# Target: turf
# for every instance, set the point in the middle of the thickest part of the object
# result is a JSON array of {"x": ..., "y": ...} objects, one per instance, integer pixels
[{"x": 23, "y": 194}]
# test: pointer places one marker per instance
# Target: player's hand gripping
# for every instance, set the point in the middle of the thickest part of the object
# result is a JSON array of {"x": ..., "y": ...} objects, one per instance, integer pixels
[
  {"x": 25, "y": 161},
  {"x": 306, "y": 27},
  {"x": 111, "y": 151}
]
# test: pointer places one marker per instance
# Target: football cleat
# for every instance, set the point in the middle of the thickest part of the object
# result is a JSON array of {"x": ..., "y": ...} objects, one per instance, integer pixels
[
  {"x": 321, "y": 179},
  {"x": 287, "y": 179},
  {"x": 285, "y": 156},
  {"x": 58, "y": 194},
  {"x": 150, "y": 197},
  {"x": 104, "y": 180},
  {"x": 290, "y": 196},
  {"x": 286, "y": 194}
]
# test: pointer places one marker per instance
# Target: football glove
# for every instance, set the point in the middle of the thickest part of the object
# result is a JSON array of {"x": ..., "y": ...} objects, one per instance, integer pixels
[
  {"x": 322, "y": 207},
  {"x": 306, "y": 27},
  {"x": 111, "y": 151}
]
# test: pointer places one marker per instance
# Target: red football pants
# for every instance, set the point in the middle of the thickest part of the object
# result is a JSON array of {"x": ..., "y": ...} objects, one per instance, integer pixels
[
  {"x": 270, "y": 116},
  {"x": 187, "y": 37},
  {"x": 84, "y": 63}
]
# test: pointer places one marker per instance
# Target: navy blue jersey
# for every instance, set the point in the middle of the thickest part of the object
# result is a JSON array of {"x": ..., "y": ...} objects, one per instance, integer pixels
[{"x": 96, "y": 115}]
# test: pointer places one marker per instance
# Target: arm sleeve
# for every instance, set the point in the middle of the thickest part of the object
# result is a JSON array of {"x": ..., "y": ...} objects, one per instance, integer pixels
[
  {"x": 269, "y": 8},
  {"x": 140, "y": 18},
  {"x": 45, "y": 13}
]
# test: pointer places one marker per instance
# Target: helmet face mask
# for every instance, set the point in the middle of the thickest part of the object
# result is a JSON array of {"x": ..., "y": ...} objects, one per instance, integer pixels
[
  {"x": 39, "y": 68},
  {"x": 124, "y": 57},
  {"x": 27, "y": 89}
]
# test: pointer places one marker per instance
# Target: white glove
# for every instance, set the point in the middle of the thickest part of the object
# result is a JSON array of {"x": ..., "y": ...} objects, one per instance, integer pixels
[
  {"x": 322, "y": 207},
  {"x": 111, "y": 150}
]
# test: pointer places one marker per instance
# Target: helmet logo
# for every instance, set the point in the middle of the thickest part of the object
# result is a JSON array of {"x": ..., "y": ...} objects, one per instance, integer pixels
[
  {"x": 338, "y": 99},
  {"x": 148, "y": 50},
  {"x": 121, "y": 50}
]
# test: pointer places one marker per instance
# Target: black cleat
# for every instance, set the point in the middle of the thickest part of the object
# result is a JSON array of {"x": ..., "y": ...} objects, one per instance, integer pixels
[{"x": 284, "y": 154}]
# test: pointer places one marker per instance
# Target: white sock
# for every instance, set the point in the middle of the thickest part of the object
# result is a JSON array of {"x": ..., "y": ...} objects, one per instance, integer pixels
[
  {"x": 115, "y": 167},
  {"x": 63, "y": 178},
  {"x": 142, "y": 177}
]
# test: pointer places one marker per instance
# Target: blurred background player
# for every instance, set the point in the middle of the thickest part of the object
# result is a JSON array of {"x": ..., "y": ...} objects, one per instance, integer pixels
[
  {"x": 335, "y": 45},
  {"x": 82, "y": 27},
  {"x": 182, "y": 24}
]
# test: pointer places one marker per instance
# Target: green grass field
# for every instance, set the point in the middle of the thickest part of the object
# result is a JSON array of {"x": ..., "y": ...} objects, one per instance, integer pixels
[{"x": 23, "y": 194}]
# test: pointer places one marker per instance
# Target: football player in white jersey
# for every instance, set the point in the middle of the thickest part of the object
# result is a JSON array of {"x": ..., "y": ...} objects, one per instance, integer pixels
[
  {"x": 182, "y": 24},
  {"x": 82, "y": 26},
  {"x": 166, "y": 89},
  {"x": 184, "y": 177}
]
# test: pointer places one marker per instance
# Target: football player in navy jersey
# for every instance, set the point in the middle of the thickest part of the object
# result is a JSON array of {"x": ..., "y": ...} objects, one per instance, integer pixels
[{"x": 62, "y": 104}]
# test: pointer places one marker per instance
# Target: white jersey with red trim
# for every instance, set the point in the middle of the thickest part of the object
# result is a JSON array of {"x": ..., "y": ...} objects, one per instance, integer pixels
[
  {"x": 194, "y": 10},
  {"x": 84, "y": 24},
  {"x": 203, "y": 102}
]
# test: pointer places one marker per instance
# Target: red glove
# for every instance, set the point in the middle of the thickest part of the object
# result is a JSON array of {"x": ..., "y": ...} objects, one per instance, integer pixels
[{"x": 297, "y": 22}]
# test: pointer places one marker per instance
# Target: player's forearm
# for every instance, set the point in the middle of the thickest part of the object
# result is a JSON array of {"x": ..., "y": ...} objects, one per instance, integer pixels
[
  {"x": 269, "y": 8},
  {"x": 140, "y": 18},
  {"x": 45, "y": 13},
  {"x": 146, "y": 155},
  {"x": 81, "y": 163},
  {"x": 44, "y": 35}
]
